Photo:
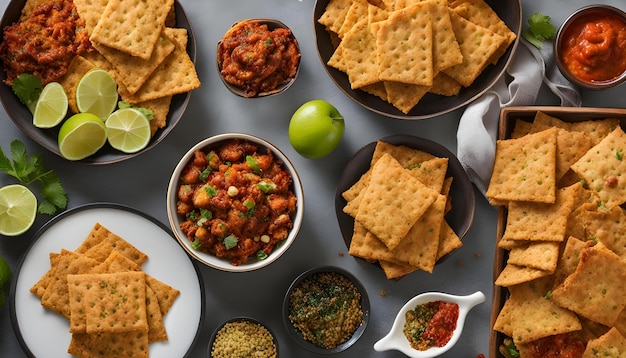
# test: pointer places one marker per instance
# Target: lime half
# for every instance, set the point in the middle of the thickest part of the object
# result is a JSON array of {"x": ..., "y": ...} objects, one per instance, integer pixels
[
  {"x": 96, "y": 93},
  {"x": 51, "y": 106},
  {"x": 18, "y": 209},
  {"x": 82, "y": 135},
  {"x": 128, "y": 130}
]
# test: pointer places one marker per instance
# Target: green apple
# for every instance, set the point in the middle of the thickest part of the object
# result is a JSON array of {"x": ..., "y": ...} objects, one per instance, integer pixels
[{"x": 316, "y": 129}]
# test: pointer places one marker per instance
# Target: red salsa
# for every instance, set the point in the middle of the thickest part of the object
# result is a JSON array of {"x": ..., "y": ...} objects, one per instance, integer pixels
[
  {"x": 594, "y": 49},
  {"x": 257, "y": 59},
  {"x": 431, "y": 324},
  {"x": 236, "y": 201},
  {"x": 567, "y": 345}
]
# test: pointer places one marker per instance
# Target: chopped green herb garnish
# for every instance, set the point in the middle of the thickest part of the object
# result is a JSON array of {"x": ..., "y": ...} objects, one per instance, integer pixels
[
  {"x": 547, "y": 295},
  {"x": 230, "y": 241},
  {"x": 210, "y": 190},
  {"x": 252, "y": 163},
  {"x": 29, "y": 170},
  {"x": 540, "y": 30},
  {"x": 205, "y": 173},
  {"x": 618, "y": 154},
  {"x": 266, "y": 186},
  {"x": 261, "y": 255},
  {"x": 196, "y": 244},
  {"x": 205, "y": 215}
]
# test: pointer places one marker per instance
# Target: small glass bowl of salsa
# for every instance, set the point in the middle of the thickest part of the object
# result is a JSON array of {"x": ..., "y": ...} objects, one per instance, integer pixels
[{"x": 590, "y": 47}]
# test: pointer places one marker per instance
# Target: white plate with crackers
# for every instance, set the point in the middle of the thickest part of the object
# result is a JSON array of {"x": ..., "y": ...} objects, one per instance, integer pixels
[
  {"x": 140, "y": 81},
  {"x": 559, "y": 268},
  {"x": 444, "y": 79},
  {"x": 437, "y": 177},
  {"x": 112, "y": 255}
]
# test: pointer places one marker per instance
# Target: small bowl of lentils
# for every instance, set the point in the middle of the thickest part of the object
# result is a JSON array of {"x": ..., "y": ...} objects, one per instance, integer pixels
[
  {"x": 243, "y": 337},
  {"x": 326, "y": 310}
]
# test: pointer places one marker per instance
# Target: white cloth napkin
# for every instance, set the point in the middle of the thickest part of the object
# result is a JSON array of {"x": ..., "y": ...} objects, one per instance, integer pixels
[{"x": 519, "y": 86}]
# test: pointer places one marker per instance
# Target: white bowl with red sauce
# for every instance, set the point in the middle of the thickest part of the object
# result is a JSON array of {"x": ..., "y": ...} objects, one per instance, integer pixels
[
  {"x": 396, "y": 339},
  {"x": 278, "y": 246},
  {"x": 588, "y": 50}
]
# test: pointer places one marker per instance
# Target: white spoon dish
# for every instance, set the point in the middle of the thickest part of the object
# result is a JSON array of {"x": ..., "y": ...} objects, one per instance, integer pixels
[{"x": 396, "y": 339}]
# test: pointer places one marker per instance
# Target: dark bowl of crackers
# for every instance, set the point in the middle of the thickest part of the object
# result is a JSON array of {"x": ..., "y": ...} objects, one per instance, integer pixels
[
  {"x": 142, "y": 82},
  {"x": 258, "y": 58},
  {"x": 367, "y": 50},
  {"x": 559, "y": 239},
  {"x": 587, "y": 48},
  {"x": 317, "y": 300},
  {"x": 416, "y": 212},
  {"x": 235, "y": 202},
  {"x": 243, "y": 337}
]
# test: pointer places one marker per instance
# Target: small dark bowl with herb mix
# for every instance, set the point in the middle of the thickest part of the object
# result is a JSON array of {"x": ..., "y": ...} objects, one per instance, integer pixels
[
  {"x": 326, "y": 310},
  {"x": 235, "y": 202},
  {"x": 243, "y": 337}
]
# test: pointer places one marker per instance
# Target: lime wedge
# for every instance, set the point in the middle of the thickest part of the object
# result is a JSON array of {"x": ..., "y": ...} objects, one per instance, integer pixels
[
  {"x": 96, "y": 93},
  {"x": 51, "y": 106},
  {"x": 18, "y": 209},
  {"x": 128, "y": 130},
  {"x": 81, "y": 135}
]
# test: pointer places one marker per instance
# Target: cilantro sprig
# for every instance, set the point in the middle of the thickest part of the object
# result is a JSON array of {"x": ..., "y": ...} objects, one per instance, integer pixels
[
  {"x": 27, "y": 88},
  {"x": 540, "y": 29},
  {"x": 29, "y": 170}
]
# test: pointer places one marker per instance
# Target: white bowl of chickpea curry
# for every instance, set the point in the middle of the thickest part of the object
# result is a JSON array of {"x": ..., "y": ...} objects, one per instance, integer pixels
[{"x": 235, "y": 202}]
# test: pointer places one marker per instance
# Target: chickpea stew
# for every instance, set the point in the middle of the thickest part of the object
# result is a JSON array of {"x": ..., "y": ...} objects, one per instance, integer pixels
[{"x": 236, "y": 201}]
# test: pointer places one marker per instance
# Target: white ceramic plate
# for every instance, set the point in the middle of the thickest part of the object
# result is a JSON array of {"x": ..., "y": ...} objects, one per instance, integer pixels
[{"x": 44, "y": 333}]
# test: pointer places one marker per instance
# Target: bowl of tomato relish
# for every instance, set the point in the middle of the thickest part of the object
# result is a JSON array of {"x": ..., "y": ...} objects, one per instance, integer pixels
[
  {"x": 258, "y": 58},
  {"x": 590, "y": 47},
  {"x": 235, "y": 202}
]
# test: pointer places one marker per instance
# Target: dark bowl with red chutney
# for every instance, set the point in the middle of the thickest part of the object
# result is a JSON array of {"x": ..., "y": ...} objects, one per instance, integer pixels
[{"x": 590, "y": 47}]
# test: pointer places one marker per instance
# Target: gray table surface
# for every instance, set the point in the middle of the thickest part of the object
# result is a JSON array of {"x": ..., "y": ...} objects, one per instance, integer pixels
[{"x": 142, "y": 181}]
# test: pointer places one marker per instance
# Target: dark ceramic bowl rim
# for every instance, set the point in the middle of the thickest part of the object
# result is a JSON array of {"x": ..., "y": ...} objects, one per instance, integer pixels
[
  {"x": 239, "y": 319},
  {"x": 431, "y": 105},
  {"x": 365, "y": 307},
  {"x": 271, "y": 25},
  {"x": 47, "y": 138},
  {"x": 211, "y": 260},
  {"x": 596, "y": 85}
]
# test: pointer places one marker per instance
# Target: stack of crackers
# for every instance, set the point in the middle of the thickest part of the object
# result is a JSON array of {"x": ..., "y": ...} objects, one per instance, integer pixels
[
  {"x": 562, "y": 185},
  {"x": 114, "y": 309},
  {"x": 398, "y": 207},
  {"x": 137, "y": 43},
  {"x": 400, "y": 50}
]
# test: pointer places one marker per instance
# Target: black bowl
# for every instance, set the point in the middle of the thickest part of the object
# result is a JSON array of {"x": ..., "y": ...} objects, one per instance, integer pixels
[
  {"x": 297, "y": 336},
  {"x": 48, "y": 138},
  {"x": 510, "y": 11},
  {"x": 461, "y": 216},
  {"x": 239, "y": 319}
]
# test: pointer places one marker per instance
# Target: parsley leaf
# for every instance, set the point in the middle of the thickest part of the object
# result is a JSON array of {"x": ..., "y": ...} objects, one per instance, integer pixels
[
  {"x": 27, "y": 88},
  {"x": 146, "y": 112},
  {"x": 29, "y": 170},
  {"x": 540, "y": 30}
]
